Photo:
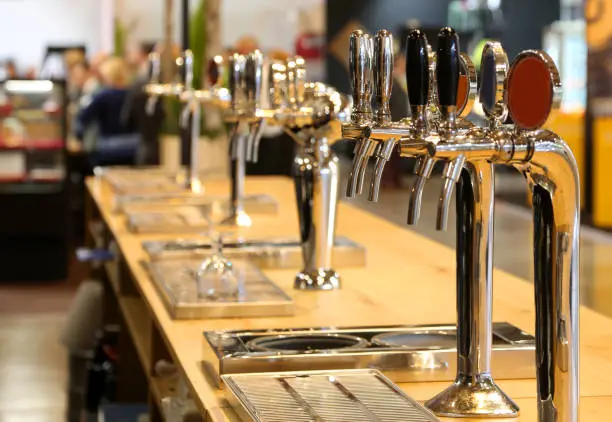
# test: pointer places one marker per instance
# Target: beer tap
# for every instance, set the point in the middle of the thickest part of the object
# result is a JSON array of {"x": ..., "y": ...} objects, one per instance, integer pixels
[
  {"x": 154, "y": 80},
  {"x": 418, "y": 72},
  {"x": 182, "y": 87},
  {"x": 528, "y": 94},
  {"x": 447, "y": 83},
  {"x": 383, "y": 84},
  {"x": 550, "y": 169},
  {"x": 316, "y": 176},
  {"x": 307, "y": 112},
  {"x": 310, "y": 113},
  {"x": 241, "y": 99},
  {"x": 474, "y": 205},
  {"x": 253, "y": 81},
  {"x": 360, "y": 67},
  {"x": 193, "y": 110}
]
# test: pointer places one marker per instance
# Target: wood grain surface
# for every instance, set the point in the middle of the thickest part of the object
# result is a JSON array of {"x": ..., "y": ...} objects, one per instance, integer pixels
[{"x": 408, "y": 279}]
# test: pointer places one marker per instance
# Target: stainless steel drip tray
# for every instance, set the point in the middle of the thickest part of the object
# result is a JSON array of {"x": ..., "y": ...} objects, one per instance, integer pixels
[
  {"x": 186, "y": 218},
  {"x": 414, "y": 353},
  {"x": 160, "y": 200},
  {"x": 280, "y": 252},
  {"x": 332, "y": 396},
  {"x": 258, "y": 296}
]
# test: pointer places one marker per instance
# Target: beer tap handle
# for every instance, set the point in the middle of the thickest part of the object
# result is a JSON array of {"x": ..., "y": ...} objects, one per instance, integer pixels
[
  {"x": 154, "y": 78},
  {"x": 383, "y": 84},
  {"x": 253, "y": 68},
  {"x": 419, "y": 86},
  {"x": 236, "y": 81},
  {"x": 188, "y": 70},
  {"x": 296, "y": 80},
  {"x": 187, "y": 88},
  {"x": 300, "y": 80},
  {"x": 154, "y": 68},
  {"x": 215, "y": 71},
  {"x": 447, "y": 79},
  {"x": 278, "y": 85},
  {"x": 360, "y": 68},
  {"x": 291, "y": 91},
  {"x": 417, "y": 78},
  {"x": 383, "y": 75}
]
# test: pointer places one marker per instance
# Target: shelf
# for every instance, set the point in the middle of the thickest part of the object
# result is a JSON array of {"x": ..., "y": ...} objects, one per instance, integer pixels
[
  {"x": 21, "y": 178},
  {"x": 31, "y": 179},
  {"x": 33, "y": 145},
  {"x": 27, "y": 187},
  {"x": 139, "y": 324},
  {"x": 46, "y": 179}
]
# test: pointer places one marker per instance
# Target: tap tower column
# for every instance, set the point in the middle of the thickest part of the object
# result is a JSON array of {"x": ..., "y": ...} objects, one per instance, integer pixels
[{"x": 473, "y": 393}]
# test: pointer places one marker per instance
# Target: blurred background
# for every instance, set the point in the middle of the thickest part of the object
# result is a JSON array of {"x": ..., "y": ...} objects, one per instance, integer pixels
[{"x": 62, "y": 61}]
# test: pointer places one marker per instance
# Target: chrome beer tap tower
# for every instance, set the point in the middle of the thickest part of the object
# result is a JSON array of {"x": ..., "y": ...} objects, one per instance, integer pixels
[
  {"x": 245, "y": 79},
  {"x": 311, "y": 113},
  {"x": 527, "y": 91},
  {"x": 181, "y": 87}
]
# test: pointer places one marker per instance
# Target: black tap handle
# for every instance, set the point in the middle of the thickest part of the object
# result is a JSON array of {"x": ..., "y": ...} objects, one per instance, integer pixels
[
  {"x": 447, "y": 66},
  {"x": 417, "y": 68}
]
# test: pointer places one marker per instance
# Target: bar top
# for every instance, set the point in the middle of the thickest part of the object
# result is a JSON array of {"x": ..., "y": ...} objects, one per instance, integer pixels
[{"x": 408, "y": 279}]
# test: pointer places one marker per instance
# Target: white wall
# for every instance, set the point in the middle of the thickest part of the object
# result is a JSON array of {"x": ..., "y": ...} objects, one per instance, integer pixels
[
  {"x": 274, "y": 23},
  {"x": 29, "y": 25}
]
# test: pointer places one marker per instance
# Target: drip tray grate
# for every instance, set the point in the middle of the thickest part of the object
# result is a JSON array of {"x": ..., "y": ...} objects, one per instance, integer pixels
[{"x": 330, "y": 396}]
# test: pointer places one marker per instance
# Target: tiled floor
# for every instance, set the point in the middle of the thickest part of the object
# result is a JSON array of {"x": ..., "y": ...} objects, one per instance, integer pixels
[{"x": 33, "y": 372}]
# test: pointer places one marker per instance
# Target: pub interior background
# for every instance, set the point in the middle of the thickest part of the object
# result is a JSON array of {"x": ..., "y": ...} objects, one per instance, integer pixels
[{"x": 88, "y": 46}]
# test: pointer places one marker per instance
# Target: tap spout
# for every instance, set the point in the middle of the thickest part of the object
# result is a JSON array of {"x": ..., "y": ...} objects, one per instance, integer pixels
[
  {"x": 452, "y": 172},
  {"x": 423, "y": 169},
  {"x": 384, "y": 155},
  {"x": 253, "y": 154}
]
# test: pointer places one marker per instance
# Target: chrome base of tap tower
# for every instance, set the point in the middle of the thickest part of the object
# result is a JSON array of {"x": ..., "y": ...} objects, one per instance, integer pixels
[
  {"x": 319, "y": 279},
  {"x": 473, "y": 396}
]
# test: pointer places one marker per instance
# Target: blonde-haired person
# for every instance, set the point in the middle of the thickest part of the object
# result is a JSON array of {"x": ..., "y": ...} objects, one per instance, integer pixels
[
  {"x": 115, "y": 72},
  {"x": 117, "y": 140}
]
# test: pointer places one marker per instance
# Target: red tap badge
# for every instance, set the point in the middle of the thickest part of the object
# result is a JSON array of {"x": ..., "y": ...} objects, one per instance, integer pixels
[
  {"x": 466, "y": 89},
  {"x": 533, "y": 89}
]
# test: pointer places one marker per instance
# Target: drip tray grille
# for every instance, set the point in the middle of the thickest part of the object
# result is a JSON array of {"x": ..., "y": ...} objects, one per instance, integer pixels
[{"x": 333, "y": 396}]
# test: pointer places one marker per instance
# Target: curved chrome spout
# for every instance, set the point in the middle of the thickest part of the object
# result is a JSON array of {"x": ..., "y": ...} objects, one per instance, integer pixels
[
  {"x": 552, "y": 175},
  {"x": 423, "y": 168}
]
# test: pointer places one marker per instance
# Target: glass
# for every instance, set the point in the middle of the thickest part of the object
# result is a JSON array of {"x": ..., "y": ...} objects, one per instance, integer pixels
[{"x": 216, "y": 279}]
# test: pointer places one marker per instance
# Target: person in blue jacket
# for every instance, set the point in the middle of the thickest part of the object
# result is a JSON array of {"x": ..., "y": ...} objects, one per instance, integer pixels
[{"x": 118, "y": 140}]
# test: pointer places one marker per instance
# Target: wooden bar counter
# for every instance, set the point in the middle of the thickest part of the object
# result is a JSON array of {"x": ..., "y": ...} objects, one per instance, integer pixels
[{"x": 408, "y": 279}]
